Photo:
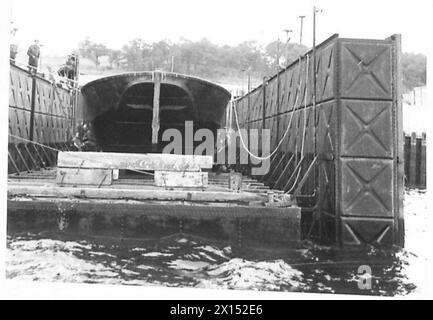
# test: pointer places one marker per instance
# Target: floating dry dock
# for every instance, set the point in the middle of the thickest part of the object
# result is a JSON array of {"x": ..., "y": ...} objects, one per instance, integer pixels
[
  {"x": 88, "y": 196},
  {"x": 335, "y": 123}
]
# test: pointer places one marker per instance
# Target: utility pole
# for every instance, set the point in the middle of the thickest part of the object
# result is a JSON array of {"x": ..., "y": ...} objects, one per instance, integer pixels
[
  {"x": 287, "y": 31},
  {"x": 314, "y": 94},
  {"x": 277, "y": 61},
  {"x": 315, "y": 11},
  {"x": 302, "y": 25}
]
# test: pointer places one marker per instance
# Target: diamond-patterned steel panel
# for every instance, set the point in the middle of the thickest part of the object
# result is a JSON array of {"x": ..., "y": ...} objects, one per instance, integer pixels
[
  {"x": 363, "y": 231},
  {"x": 20, "y": 89},
  {"x": 325, "y": 78},
  {"x": 357, "y": 119},
  {"x": 366, "y": 129},
  {"x": 366, "y": 71},
  {"x": 367, "y": 187},
  {"x": 326, "y": 114},
  {"x": 53, "y": 109}
]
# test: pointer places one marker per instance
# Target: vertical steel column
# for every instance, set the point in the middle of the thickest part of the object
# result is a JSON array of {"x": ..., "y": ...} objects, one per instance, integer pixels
[
  {"x": 398, "y": 138},
  {"x": 278, "y": 108},
  {"x": 32, "y": 107},
  {"x": 264, "y": 102},
  {"x": 155, "y": 119}
]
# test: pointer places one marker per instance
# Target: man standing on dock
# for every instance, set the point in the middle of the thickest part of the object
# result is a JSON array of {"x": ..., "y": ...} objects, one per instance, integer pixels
[
  {"x": 13, "y": 45},
  {"x": 34, "y": 53}
]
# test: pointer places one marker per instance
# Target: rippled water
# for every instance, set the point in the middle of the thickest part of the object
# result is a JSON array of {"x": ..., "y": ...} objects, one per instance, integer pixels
[{"x": 191, "y": 262}]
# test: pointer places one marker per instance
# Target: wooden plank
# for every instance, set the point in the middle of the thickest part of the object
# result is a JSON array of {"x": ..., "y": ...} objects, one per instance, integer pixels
[
  {"x": 134, "y": 161},
  {"x": 181, "y": 179},
  {"x": 142, "y": 193},
  {"x": 95, "y": 177}
]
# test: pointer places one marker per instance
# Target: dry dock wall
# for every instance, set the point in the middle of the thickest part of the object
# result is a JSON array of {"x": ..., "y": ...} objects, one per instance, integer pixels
[
  {"x": 39, "y": 111},
  {"x": 353, "y": 193}
]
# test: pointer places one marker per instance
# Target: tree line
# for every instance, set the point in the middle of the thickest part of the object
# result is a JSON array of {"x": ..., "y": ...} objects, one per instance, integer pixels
[
  {"x": 200, "y": 58},
  {"x": 215, "y": 62}
]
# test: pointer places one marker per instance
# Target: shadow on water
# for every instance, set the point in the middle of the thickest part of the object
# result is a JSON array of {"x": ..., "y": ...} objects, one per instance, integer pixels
[{"x": 184, "y": 261}]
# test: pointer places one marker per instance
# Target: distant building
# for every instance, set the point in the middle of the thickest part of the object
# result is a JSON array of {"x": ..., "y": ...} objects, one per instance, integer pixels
[
  {"x": 415, "y": 115},
  {"x": 416, "y": 97}
]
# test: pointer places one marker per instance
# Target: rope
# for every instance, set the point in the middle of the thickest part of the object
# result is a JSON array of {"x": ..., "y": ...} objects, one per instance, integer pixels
[
  {"x": 288, "y": 127},
  {"x": 72, "y": 153},
  {"x": 34, "y": 142},
  {"x": 304, "y": 131},
  {"x": 285, "y": 133}
]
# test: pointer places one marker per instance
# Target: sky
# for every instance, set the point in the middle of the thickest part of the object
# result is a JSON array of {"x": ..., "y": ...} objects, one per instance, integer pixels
[{"x": 60, "y": 25}]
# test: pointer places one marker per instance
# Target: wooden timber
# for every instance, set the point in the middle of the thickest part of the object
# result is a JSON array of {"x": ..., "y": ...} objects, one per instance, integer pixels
[
  {"x": 72, "y": 176},
  {"x": 137, "y": 187},
  {"x": 181, "y": 179},
  {"x": 133, "y": 161}
]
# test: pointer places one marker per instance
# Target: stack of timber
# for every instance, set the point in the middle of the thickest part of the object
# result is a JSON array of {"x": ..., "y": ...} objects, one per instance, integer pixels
[{"x": 101, "y": 168}]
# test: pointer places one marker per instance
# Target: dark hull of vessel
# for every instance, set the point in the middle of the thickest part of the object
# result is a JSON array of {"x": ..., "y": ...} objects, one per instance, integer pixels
[{"x": 121, "y": 108}]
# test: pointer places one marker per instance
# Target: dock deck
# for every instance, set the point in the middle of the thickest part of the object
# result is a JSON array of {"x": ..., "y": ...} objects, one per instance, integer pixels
[{"x": 134, "y": 207}]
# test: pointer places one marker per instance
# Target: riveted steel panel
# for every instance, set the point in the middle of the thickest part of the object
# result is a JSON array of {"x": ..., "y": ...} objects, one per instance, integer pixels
[
  {"x": 363, "y": 231},
  {"x": 366, "y": 129},
  {"x": 20, "y": 88},
  {"x": 271, "y": 98},
  {"x": 367, "y": 187},
  {"x": 325, "y": 78},
  {"x": 357, "y": 135},
  {"x": 327, "y": 125},
  {"x": 366, "y": 70}
]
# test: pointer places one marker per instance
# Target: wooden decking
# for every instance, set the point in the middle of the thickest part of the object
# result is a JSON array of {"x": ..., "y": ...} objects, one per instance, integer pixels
[
  {"x": 134, "y": 207},
  {"x": 43, "y": 183}
]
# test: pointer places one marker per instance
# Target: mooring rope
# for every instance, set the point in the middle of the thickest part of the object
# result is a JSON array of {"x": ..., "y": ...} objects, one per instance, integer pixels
[
  {"x": 285, "y": 133},
  {"x": 304, "y": 131},
  {"x": 72, "y": 153}
]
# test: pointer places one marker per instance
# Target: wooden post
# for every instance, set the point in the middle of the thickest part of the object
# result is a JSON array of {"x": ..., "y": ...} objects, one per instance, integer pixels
[
  {"x": 422, "y": 170},
  {"x": 412, "y": 165},
  {"x": 155, "y": 119}
]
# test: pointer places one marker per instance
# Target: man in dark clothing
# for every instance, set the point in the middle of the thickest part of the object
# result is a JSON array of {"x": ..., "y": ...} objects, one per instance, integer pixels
[
  {"x": 13, "y": 45},
  {"x": 84, "y": 139},
  {"x": 34, "y": 52}
]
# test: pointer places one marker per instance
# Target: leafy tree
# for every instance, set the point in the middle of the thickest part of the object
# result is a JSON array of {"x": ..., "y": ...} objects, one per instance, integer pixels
[
  {"x": 115, "y": 58},
  {"x": 137, "y": 55},
  {"x": 205, "y": 59},
  {"x": 414, "y": 70},
  {"x": 93, "y": 51}
]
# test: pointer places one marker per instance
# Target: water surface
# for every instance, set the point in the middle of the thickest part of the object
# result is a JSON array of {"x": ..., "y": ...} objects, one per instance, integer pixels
[{"x": 183, "y": 261}]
